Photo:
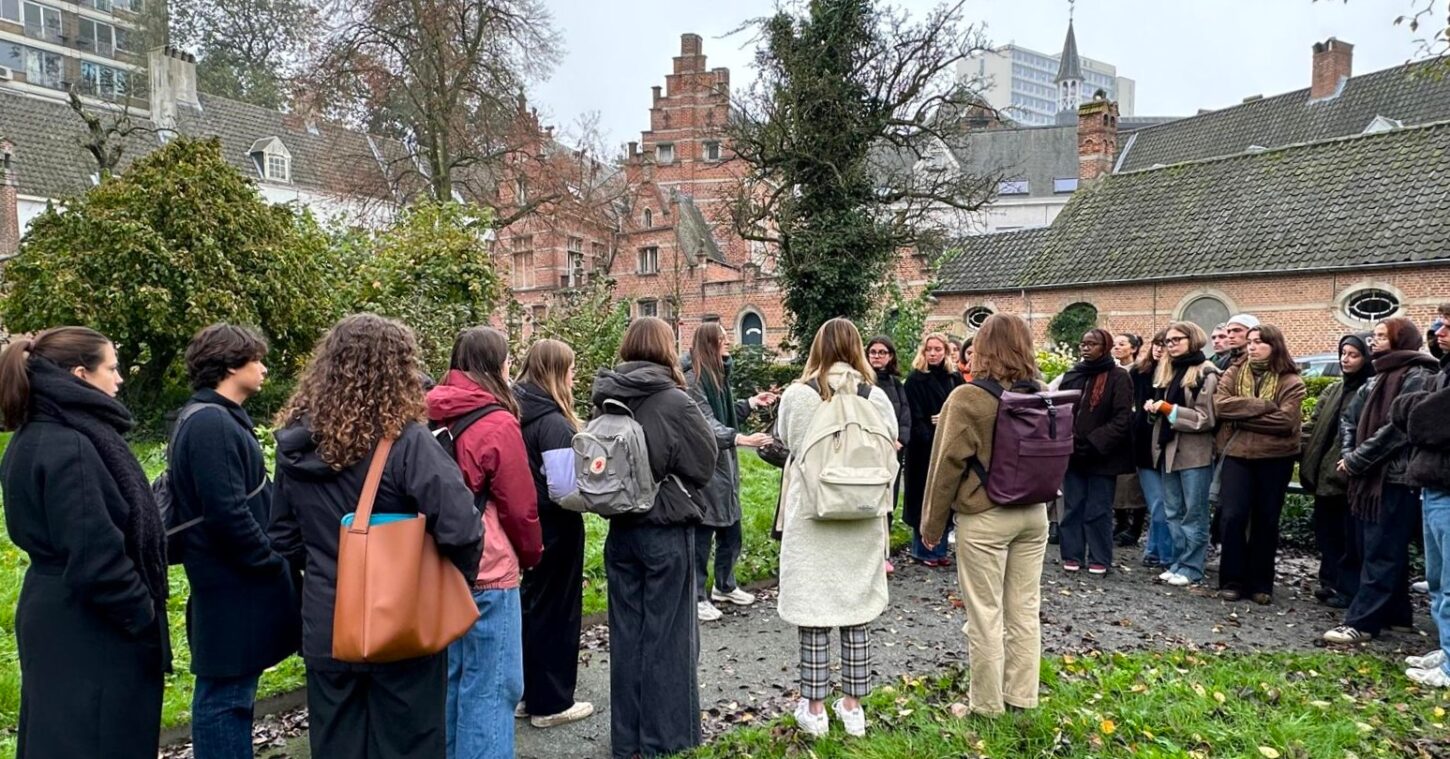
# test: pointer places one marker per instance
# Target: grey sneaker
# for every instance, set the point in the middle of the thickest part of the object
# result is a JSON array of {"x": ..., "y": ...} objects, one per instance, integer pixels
[
  {"x": 521, "y": 711},
  {"x": 814, "y": 725},
  {"x": 1435, "y": 678},
  {"x": 854, "y": 720},
  {"x": 707, "y": 612},
  {"x": 1433, "y": 660},
  {"x": 737, "y": 596}
]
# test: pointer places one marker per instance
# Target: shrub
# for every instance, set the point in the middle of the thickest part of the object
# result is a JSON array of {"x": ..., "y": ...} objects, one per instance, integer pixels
[{"x": 1068, "y": 326}]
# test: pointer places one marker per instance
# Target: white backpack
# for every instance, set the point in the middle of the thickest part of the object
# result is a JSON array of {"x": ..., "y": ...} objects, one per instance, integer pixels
[{"x": 847, "y": 464}]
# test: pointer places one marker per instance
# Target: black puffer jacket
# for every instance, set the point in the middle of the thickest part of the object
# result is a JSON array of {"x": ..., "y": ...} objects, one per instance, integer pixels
[
  {"x": 1424, "y": 419},
  {"x": 682, "y": 448},
  {"x": 1388, "y": 445},
  {"x": 312, "y": 497}
]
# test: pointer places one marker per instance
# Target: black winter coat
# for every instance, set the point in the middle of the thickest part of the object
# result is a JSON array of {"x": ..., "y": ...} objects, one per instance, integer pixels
[
  {"x": 546, "y": 433},
  {"x": 1142, "y": 425},
  {"x": 311, "y": 499},
  {"x": 1388, "y": 445},
  {"x": 1424, "y": 419},
  {"x": 243, "y": 615},
  {"x": 896, "y": 393},
  {"x": 682, "y": 448},
  {"x": 1102, "y": 435},
  {"x": 92, "y": 650}
]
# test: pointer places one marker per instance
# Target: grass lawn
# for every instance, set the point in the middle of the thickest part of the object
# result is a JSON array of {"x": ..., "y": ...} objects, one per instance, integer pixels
[{"x": 1173, "y": 704}]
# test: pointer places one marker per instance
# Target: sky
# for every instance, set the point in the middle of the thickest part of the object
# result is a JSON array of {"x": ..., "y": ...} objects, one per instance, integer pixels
[{"x": 1184, "y": 54}]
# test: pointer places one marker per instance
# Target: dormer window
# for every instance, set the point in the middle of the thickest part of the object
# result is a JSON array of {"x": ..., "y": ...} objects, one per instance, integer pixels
[{"x": 273, "y": 160}]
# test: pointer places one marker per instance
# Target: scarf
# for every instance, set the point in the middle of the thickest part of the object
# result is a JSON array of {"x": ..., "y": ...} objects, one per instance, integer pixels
[
  {"x": 1176, "y": 393},
  {"x": 102, "y": 420},
  {"x": 1391, "y": 367},
  {"x": 1256, "y": 381},
  {"x": 721, "y": 399},
  {"x": 1091, "y": 377}
]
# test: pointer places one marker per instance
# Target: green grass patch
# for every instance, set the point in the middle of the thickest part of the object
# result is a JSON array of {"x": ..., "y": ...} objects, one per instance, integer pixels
[{"x": 1145, "y": 704}]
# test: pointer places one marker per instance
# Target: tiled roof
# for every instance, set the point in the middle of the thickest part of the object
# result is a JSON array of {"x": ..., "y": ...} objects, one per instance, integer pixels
[
  {"x": 1410, "y": 93},
  {"x": 1036, "y": 154},
  {"x": 1373, "y": 200},
  {"x": 1069, "y": 67},
  {"x": 692, "y": 231},
  {"x": 51, "y": 163}
]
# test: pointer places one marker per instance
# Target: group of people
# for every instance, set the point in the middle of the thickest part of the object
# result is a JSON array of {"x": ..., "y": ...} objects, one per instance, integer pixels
[{"x": 1206, "y": 427}]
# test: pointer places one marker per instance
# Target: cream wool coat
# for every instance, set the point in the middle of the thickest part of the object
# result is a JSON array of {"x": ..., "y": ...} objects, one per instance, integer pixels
[{"x": 832, "y": 574}]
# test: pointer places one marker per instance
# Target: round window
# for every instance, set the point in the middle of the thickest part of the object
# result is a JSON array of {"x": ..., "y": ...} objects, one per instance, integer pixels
[
  {"x": 976, "y": 317},
  {"x": 1371, "y": 305},
  {"x": 1206, "y": 311}
]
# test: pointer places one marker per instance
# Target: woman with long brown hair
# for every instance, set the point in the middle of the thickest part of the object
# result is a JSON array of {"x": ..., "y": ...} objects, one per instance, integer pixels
[
  {"x": 90, "y": 624},
  {"x": 832, "y": 573},
  {"x": 707, "y": 379},
  {"x": 1384, "y": 503},
  {"x": 932, "y": 379},
  {"x": 999, "y": 549},
  {"x": 1257, "y": 405},
  {"x": 485, "y": 666},
  {"x": 1146, "y": 482},
  {"x": 364, "y": 383},
  {"x": 553, "y": 591},
  {"x": 654, "y": 695}
]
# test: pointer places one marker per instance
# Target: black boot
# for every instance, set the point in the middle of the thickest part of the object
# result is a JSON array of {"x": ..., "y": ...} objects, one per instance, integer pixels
[{"x": 1052, "y": 537}]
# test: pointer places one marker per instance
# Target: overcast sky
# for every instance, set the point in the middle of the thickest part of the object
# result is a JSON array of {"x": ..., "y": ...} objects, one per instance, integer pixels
[{"x": 1184, "y": 54}]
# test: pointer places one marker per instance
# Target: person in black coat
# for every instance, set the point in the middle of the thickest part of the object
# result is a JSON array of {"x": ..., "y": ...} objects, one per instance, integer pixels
[
  {"x": 1102, "y": 451},
  {"x": 654, "y": 644},
  {"x": 553, "y": 591},
  {"x": 927, "y": 388},
  {"x": 243, "y": 614},
  {"x": 881, "y": 353},
  {"x": 362, "y": 385},
  {"x": 90, "y": 624}
]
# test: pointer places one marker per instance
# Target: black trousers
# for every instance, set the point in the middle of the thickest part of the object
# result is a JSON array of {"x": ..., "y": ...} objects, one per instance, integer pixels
[
  {"x": 1383, "y": 599},
  {"x": 1334, "y": 536},
  {"x": 1251, "y": 497},
  {"x": 386, "y": 711},
  {"x": 552, "y": 595},
  {"x": 727, "y": 541},
  {"x": 654, "y": 640}
]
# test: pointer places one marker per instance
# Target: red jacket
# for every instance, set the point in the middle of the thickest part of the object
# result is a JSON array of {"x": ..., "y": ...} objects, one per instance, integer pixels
[{"x": 491, "y": 454}]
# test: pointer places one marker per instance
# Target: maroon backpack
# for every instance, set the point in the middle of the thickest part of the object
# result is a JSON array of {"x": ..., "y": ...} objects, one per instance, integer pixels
[{"x": 1031, "y": 444}]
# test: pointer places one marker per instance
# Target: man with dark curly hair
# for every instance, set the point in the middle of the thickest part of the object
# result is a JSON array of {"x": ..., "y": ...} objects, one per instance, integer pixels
[{"x": 243, "y": 615}]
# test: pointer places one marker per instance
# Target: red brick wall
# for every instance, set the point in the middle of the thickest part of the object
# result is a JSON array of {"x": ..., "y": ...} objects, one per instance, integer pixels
[{"x": 1307, "y": 307}]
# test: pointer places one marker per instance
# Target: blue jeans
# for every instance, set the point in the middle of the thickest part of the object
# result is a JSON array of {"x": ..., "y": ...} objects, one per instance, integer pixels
[
  {"x": 1160, "y": 540},
  {"x": 1185, "y": 506},
  {"x": 1437, "y": 571},
  {"x": 221, "y": 717},
  {"x": 918, "y": 549},
  {"x": 486, "y": 679}
]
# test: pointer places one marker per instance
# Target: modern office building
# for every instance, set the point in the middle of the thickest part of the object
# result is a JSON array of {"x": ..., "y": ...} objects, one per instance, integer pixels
[{"x": 1024, "y": 85}]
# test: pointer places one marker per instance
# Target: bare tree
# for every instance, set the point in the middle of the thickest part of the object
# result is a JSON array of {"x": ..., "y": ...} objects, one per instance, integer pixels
[
  {"x": 109, "y": 128},
  {"x": 442, "y": 77},
  {"x": 247, "y": 50}
]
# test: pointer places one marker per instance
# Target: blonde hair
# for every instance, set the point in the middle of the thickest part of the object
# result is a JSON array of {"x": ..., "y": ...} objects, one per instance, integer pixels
[
  {"x": 650, "y": 339},
  {"x": 546, "y": 364},
  {"x": 1003, "y": 350},
  {"x": 1197, "y": 339},
  {"x": 837, "y": 341},
  {"x": 919, "y": 363}
]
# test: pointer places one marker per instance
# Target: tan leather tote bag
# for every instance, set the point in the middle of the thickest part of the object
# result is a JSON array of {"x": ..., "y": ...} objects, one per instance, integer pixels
[{"x": 397, "y": 597}]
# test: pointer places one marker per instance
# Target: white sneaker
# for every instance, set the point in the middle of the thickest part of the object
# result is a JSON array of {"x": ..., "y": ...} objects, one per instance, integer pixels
[
  {"x": 1433, "y": 660},
  {"x": 578, "y": 711},
  {"x": 1179, "y": 581},
  {"x": 521, "y": 711},
  {"x": 814, "y": 725},
  {"x": 707, "y": 612},
  {"x": 854, "y": 721},
  {"x": 1168, "y": 575},
  {"x": 1435, "y": 678},
  {"x": 1347, "y": 634},
  {"x": 737, "y": 596},
  {"x": 1422, "y": 586}
]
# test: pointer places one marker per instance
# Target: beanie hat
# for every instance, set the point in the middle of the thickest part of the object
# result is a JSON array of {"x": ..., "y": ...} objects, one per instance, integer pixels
[{"x": 1248, "y": 321}]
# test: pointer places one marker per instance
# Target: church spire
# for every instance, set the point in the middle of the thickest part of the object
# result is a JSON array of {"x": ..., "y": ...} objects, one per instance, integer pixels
[{"x": 1069, "y": 75}]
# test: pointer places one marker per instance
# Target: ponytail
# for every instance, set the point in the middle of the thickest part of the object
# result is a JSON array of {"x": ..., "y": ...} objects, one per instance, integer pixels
[{"x": 66, "y": 347}]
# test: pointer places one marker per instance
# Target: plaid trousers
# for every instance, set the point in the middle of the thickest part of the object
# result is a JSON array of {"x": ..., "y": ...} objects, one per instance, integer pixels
[{"x": 816, "y": 662}]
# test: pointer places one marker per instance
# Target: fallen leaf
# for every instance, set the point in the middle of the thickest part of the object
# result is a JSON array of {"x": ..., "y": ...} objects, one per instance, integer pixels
[
  {"x": 1107, "y": 727},
  {"x": 959, "y": 710},
  {"x": 1219, "y": 697},
  {"x": 1269, "y": 753},
  {"x": 1320, "y": 704},
  {"x": 1439, "y": 712}
]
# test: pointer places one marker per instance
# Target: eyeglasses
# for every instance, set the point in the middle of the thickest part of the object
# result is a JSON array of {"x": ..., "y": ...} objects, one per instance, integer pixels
[
  {"x": 1171, "y": 340},
  {"x": 878, "y": 353}
]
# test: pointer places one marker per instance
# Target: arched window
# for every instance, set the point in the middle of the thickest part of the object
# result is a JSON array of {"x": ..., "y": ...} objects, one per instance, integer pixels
[
  {"x": 1206, "y": 311},
  {"x": 649, "y": 218},
  {"x": 752, "y": 329}
]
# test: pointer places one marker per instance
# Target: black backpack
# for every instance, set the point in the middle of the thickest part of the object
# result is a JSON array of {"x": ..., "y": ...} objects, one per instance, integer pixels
[
  {"x": 447, "y": 436},
  {"x": 161, "y": 487}
]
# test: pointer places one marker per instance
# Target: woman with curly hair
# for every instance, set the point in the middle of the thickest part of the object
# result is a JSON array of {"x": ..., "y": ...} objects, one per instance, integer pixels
[{"x": 364, "y": 383}]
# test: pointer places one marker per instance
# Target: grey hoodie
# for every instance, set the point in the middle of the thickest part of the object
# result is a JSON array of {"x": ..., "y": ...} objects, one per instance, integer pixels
[{"x": 679, "y": 439}]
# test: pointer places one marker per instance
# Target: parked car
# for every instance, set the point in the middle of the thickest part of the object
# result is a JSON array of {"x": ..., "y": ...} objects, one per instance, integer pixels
[{"x": 1319, "y": 365}]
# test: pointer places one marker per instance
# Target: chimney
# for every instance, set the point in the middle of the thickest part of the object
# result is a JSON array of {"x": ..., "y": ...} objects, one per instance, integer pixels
[
  {"x": 1097, "y": 138},
  {"x": 691, "y": 59},
  {"x": 1333, "y": 61},
  {"x": 173, "y": 84},
  {"x": 655, "y": 92},
  {"x": 9, "y": 201},
  {"x": 633, "y": 149}
]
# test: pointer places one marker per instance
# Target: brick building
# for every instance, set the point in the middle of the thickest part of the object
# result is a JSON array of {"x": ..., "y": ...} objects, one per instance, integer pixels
[{"x": 1320, "y": 210}]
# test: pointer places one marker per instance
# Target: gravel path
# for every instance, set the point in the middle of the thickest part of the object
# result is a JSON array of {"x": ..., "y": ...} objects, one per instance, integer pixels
[{"x": 748, "y": 659}]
